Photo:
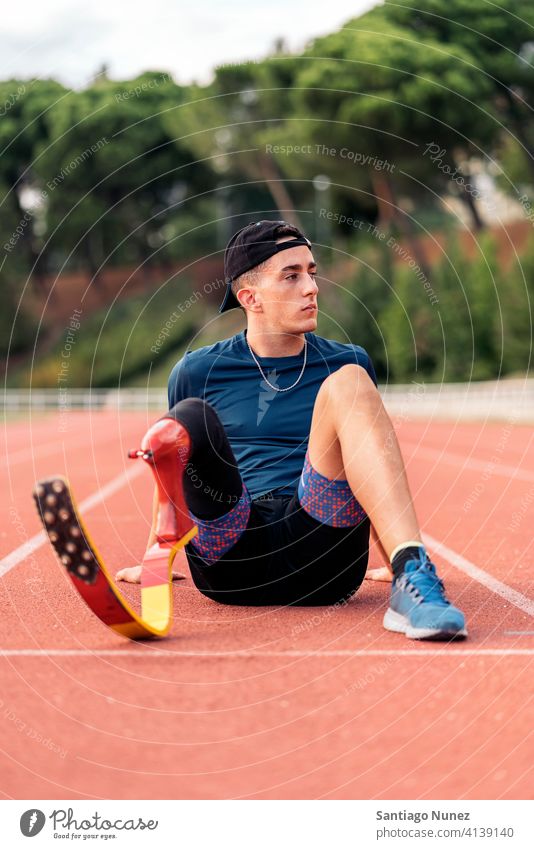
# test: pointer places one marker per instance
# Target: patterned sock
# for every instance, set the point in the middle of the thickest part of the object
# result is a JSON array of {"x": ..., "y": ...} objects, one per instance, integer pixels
[{"x": 407, "y": 551}]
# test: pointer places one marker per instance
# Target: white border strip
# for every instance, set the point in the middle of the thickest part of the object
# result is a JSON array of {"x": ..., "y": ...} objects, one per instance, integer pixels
[
  {"x": 147, "y": 653},
  {"x": 35, "y": 542},
  {"x": 512, "y": 596}
]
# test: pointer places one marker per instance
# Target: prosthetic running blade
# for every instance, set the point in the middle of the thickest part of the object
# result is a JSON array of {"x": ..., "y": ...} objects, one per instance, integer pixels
[{"x": 80, "y": 557}]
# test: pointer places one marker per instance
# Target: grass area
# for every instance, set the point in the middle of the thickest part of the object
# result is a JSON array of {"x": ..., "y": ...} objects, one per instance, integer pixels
[
  {"x": 214, "y": 329},
  {"x": 135, "y": 342},
  {"x": 476, "y": 325},
  {"x": 116, "y": 346}
]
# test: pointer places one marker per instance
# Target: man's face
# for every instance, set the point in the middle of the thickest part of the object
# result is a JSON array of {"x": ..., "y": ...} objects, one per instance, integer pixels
[{"x": 287, "y": 291}]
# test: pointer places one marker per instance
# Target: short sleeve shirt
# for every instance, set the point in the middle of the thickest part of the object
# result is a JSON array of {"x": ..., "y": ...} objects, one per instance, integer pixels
[{"x": 267, "y": 429}]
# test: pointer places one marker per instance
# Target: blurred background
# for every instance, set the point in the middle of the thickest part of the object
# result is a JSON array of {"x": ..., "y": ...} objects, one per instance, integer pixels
[{"x": 400, "y": 139}]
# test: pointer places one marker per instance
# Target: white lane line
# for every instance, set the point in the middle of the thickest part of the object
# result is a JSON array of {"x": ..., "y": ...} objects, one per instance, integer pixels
[
  {"x": 512, "y": 596},
  {"x": 25, "y": 454},
  {"x": 35, "y": 542},
  {"x": 45, "y": 449},
  {"x": 150, "y": 653},
  {"x": 489, "y": 466}
]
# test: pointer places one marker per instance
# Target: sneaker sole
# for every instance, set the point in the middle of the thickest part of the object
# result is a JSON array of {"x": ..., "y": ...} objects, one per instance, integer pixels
[{"x": 394, "y": 621}]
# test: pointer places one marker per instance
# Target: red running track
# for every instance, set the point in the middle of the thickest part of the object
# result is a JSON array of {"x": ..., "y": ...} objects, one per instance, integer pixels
[{"x": 268, "y": 703}]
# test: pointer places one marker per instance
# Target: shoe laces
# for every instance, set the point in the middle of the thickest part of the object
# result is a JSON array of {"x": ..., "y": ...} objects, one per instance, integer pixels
[{"x": 422, "y": 582}]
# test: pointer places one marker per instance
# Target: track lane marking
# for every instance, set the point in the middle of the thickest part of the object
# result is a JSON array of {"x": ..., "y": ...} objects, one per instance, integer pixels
[
  {"x": 477, "y": 574},
  {"x": 11, "y": 560},
  {"x": 45, "y": 449},
  {"x": 51, "y": 446},
  {"x": 151, "y": 653}
]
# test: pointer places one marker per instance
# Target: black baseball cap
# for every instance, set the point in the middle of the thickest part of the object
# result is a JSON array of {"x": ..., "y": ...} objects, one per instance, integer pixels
[{"x": 252, "y": 245}]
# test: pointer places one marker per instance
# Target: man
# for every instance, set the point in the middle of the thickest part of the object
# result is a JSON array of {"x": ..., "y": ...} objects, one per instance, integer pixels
[{"x": 293, "y": 454}]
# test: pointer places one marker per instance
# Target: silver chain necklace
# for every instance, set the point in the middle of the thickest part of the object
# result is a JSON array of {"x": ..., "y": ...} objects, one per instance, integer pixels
[{"x": 287, "y": 388}]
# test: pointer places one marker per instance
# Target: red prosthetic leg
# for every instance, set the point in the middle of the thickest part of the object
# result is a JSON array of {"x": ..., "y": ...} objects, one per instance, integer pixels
[{"x": 166, "y": 448}]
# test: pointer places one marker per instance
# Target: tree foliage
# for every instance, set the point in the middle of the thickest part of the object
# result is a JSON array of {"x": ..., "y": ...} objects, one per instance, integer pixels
[{"x": 147, "y": 171}]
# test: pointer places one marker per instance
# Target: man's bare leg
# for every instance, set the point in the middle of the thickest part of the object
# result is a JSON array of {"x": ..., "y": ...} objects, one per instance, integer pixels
[
  {"x": 352, "y": 438},
  {"x": 380, "y": 573}
]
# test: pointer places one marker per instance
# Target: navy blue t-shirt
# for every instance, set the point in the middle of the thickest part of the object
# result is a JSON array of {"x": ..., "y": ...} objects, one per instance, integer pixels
[{"x": 268, "y": 430}]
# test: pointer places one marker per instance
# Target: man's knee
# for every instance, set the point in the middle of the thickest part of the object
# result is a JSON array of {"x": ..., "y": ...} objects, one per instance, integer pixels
[
  {"x": 200, "y": 420},
  {"x": 349, "y": 383},
  {"x": 190, "y": 406}
]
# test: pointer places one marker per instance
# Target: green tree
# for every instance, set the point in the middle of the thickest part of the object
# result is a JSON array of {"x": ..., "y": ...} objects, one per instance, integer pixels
[
  {"x": 17, "y": 323},
  {"x": 498, "y": 36},
  {"x": 111, "y": 172},
  {"x": 24, "y": 105},
  {"x": 364, "y": 299},
  {"x": 456, "y": 353},
  {"x": 513, "y": 322},
  {"x": 382, "y": 89},
  {"x": 412, "y": 329},
  {"x": 225, "y": 122}
]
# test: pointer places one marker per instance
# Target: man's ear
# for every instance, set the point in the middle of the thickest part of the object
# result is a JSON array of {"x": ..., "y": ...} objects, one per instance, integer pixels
[{"x": 250, "y": 299}]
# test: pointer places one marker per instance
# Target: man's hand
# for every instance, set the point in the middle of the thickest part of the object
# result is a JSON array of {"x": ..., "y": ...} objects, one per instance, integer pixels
[
  {"x": 381, "y": 574},
  {"x": 132, "y": 574}
]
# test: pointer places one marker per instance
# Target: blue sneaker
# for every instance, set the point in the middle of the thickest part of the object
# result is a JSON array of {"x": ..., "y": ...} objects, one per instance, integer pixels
[{"x": 418, "y": 606}]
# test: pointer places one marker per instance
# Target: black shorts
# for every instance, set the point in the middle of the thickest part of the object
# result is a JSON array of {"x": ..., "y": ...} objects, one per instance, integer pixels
[{"x": 285, "y": 556}]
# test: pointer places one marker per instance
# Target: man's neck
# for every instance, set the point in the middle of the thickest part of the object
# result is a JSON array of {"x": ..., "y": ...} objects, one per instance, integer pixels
[{"x": 271, "y": 344}]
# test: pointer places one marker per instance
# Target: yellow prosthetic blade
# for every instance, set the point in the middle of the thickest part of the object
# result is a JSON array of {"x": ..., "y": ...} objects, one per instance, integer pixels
[{"x": 79, "y": 555}]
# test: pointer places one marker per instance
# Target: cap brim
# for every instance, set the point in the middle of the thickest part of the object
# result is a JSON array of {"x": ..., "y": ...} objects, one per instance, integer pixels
[{"x": 229, "y": 301}]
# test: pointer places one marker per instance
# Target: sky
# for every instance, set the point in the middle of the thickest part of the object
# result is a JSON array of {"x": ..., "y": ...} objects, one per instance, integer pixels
[{"x": 70, "y": 39}]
